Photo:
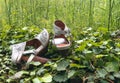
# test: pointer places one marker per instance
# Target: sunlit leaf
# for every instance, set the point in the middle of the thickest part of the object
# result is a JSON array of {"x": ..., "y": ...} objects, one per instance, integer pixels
[
  {"x": 82, "y": 46},
  {"x": 10, "y": 80},
  {"x": 96, "y": 34},
  {"x": 79, "y": 41},
  {"x": 75, "y": 57},
  {"x": 36, "y": 80},
  {"x": 100, "y": 56},
  {"x": 32, "y": 73},
  {"x": 46, "y": 78},
  {"x": 35, "y": 63},
  {"x": 41, "y": 71},
  {"x": 1, "y": 55},
  {"x": 73, "y": 65},
  {"x": 2, "y": 77},
  {"x": 19, "y": 74},
  {"x": 71, "y": 73},
  {"x": 117, "y": 74},
  {"x": 102, "y": 29}
]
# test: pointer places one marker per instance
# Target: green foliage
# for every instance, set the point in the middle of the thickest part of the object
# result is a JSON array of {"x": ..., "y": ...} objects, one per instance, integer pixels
[
  {"x": 95, "y": 51},
  {"x": 62, "y": 65},
  {"x": 61, "y": 77},
  {"x": 46, "y": 78},
  {"x": 76, "y": 13},
  {"x": 94, "y": 58},
  {"x": 36, "y": 80}
]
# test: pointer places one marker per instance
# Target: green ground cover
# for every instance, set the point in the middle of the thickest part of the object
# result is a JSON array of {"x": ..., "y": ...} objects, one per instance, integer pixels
[{"x": 95, "y": 50}]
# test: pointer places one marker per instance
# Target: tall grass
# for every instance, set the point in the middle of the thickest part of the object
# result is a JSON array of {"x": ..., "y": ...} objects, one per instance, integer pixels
[
  {"x": 76, "y": 13},
  {"x": 1, "y": 11},
  {"x": 38, "y": 14}
]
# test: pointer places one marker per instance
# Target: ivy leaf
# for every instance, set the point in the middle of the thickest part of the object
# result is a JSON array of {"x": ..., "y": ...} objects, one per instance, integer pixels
[
  {"x": 19, "y": 74},
  {"x": 97, "y": 50},
  {"x": 76, "y": 58},
  {"x": 100, "y": 56},
  {"x": 96, "y": 34},
  {"x": 40, "y": 71},
  {"x": 117, "y": 75},
  {"x": 10, "y": 80},
  {"x": 117, "y": 49},
  {"x": 82, "y": 46},
  {"x": 46, "y": 78},
  {"x": 1, "y": 77},
  {"x": 101, "y": 73},
  {"x": 111, "y": 77},
  {"x": 36, "y": 80},
  {"x": 79, "y": 41},
  {"x": 102, "y": 29},
  {"x": 62, "y": 65},
  {"x": 71, "y": 73},
  {"x": 89, "y": 54},
  {"x": 76, "y": 65},
  {"x": 112, "y": 66},
  {"x": 111, "y": 43},
  {"x": 32, "y": 73},
  {"x": 90, "y": 79},
  {"x": 61, "y": 77},
  {"x": 118, "y": 53},
  {"x": 35, "y": 63},
  {"x": 1, "y": 55},
  {"x": 104, "y": 81}
]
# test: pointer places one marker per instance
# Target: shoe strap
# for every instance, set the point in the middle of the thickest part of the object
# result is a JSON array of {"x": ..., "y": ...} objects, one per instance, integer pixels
[
  {"x": 43, "y": 38},
  {"x": 33, "y": 51},
  {"x": 28, "y": 52},
  {"x": 36, "y": 51},
  {"x": 29, "y": 60}
]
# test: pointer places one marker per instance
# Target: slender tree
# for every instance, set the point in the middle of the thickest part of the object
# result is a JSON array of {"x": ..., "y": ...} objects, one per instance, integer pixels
[
  {"x": 109, "y": 14},
  {"x": 8, "y": 11},
  {"x": 90, "y": 14}
]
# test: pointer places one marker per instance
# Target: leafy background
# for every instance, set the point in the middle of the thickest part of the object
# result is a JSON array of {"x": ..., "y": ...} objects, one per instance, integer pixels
[{"x": 94, "y": 56}]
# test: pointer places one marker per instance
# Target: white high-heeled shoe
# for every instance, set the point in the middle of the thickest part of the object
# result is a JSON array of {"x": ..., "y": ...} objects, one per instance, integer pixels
[
  {"x": 40, "y": 43},
  {"x": 61, "y": 32}
]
